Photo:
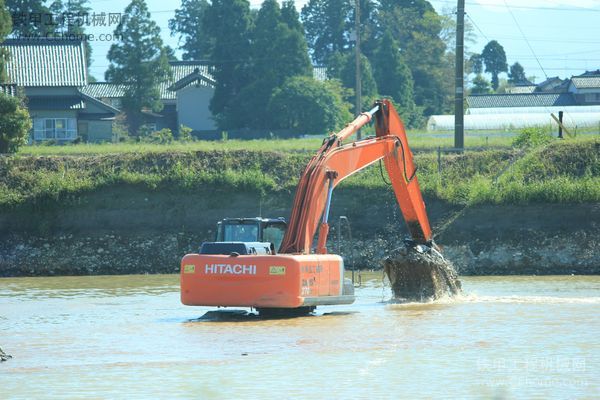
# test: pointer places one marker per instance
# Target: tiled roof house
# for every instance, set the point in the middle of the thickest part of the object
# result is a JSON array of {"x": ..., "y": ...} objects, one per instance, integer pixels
[
  {"x": 185, "y": 97},
  {"x": 52, "y": 74}
]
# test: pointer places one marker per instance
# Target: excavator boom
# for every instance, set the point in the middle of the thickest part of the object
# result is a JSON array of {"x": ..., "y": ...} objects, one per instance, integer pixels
[{"x": 334, "y": 162}]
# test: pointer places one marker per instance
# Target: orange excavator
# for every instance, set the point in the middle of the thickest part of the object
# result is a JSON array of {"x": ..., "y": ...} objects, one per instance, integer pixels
[{"x": 241, "y": 269}]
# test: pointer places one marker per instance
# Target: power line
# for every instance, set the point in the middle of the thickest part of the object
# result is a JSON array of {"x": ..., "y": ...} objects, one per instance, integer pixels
[
  {"x": 477, "y": 26},
  {"x": 525, "y": 38}
]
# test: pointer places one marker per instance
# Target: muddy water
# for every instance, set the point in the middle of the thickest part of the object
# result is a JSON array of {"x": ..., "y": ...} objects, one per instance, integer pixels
[{"x": 128, "y": 337}]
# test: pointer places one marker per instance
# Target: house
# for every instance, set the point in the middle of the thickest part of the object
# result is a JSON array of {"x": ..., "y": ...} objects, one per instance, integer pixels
[
  {"x": 524, "y": 86},
  {"x": 586, "y": 88},
  {"x": 553, "y": 85},
  {"x": 185, "y": 98},
  {"x": 578, "y": 98},
  {"x": 52, "y": 74}
]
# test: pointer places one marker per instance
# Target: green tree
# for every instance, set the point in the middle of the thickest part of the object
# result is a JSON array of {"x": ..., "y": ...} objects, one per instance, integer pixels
[
  {"x": 326, "y": 24},
  {"x": 230, "y": 22},
  {"x": 368, "y": 84},
  {"x": 516, "y": 74},
  {"x": 417, "y": 27},
  {"x": 188, "y": 24},
  {"x": 394, "y": 79},
  {"x": 476, "y": 63},
  {"x": 22, "y": 26},
  {"x": 330, "y": 26},
  {"x": 494, "y": 59},
  {"x": 290, "y": 16},
  {"x": 480, "y": 85},
  {"x": 308, "y": 106},
  {"x": 138, "y": 61},
  {"x": 70, "y": 18},
  {"x": 15, "y": 123},
  {"x": 278, "y": 52},
  {"x": 5, "y": 28}
]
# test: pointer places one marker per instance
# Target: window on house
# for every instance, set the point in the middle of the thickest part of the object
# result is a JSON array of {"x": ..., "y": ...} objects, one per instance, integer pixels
[{"x": 54, "y": 128}]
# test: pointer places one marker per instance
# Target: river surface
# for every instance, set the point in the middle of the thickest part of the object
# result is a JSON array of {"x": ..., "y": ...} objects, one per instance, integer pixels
[{"x": 129, "y": 337}]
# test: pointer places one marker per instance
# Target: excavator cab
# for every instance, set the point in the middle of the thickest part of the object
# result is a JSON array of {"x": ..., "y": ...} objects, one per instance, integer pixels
[{"x": 270, "y": 230}]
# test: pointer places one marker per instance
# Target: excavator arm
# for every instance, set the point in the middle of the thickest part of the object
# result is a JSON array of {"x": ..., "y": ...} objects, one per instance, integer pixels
[{"x": 336, "y": 161}]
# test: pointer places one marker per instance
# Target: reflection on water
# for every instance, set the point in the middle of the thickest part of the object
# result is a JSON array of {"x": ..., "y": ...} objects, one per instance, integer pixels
[{"x": 128, "y": 336}]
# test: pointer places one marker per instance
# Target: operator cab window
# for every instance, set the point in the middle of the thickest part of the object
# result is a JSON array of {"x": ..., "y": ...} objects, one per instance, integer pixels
[
  {"x": 274, "y": 233},
  {"x": 240, "y": 233}
]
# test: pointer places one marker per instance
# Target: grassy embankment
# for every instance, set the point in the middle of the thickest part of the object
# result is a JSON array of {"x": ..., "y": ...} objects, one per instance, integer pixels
[
  {"x": 563, "y": 172},
  {"x": 418, "y": 142}
]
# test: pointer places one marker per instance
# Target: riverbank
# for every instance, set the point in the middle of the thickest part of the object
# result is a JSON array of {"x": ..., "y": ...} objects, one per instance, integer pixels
[{"x": 494, "y": 212}]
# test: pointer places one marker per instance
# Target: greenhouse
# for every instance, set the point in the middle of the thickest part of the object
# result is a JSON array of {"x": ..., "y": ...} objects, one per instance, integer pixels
[{"x": 516, "y": 120}]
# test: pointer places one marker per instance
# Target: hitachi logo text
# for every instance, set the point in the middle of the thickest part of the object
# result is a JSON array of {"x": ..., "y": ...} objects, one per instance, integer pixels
[{"x": 235, "y": 269}]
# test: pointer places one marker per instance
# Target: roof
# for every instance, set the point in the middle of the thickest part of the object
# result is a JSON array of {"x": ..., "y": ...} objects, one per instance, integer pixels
[
  {"x": 184, "y": 73},
  {"x": 180, "y": 70},
  {"x": 10, "y": 90},
  {"x": 320, "y": 73},
  {"x": 520, "y": 89},
  {"x": 195, "y": 77},
  {"x": 46, "y": 62},
  {"x": 101, "y": 90},
  {"x": 586, "y": 82},
  {"x": 520, "y": 100}
]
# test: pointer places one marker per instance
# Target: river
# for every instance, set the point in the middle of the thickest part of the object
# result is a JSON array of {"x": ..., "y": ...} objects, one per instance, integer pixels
[{"x": 129, "y": 337}]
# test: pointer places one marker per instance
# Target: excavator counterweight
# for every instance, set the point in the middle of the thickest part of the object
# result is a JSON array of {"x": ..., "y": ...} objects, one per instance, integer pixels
[{"x": 298, "y": 276}]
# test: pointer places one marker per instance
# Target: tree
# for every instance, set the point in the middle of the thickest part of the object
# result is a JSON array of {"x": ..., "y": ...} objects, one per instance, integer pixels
[
  {"x": 368, "y": 84},
  {"x": 69, "y": 16},
  {"x": 22, "y": 25},
  {"x": 476, "y": 63},
  {"x": 516, "y": 74},
  {"x": 393, "y": 77},
  {"x": 188, "y": 23},
  {"x": 278, "y": 52},
  {"x": 494, "y": 59},
  {"x": 138, "y": 61},
  {"x": 308, "y": 106},
  {"x": 5, "y": 28},
  {"x": 326, "y": 23},
  {"x": 416, "y": 27},
  {"x": 480, "y": 85},
  {"x": 230, "y": 22},
  {"x": 15, "y": 123},
  {"x": 290, "y": 16}
]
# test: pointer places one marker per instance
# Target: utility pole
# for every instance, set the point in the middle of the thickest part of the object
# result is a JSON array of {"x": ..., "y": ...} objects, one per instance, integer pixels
[
  {"x": 358, "y": 89},
  {"x": 459, "y": 87}
]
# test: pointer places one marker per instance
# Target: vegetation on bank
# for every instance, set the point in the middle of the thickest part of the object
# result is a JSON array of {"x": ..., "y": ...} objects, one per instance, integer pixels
[
  {"x": 562, "y": 171},
  {"x": 310, "y": 144}
]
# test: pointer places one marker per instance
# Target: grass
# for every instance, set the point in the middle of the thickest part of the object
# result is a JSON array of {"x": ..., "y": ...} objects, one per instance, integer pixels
[
  {"x": 564, "y": 171},
  {"x": 418, "y": 141}
]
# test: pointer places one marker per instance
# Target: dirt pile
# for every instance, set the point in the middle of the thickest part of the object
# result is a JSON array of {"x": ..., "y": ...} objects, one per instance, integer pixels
[{"x": 418, "y": 273}]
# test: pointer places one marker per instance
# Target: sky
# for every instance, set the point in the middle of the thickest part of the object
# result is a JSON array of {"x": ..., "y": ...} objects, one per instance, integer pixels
[{"x": 547, "y": 37}]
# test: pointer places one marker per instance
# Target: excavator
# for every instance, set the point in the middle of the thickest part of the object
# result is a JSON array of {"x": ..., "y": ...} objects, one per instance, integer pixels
[{"x": 280, "y": 270}]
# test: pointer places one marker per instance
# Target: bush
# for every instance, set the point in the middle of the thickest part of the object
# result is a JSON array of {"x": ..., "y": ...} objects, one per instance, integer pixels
[
  {"x": 15, "y": 123},
  {"x": 533, "y": 137},
  {"x": 163, "y": 136},
  {"x": 185, "y": 134},
  {"x": 307, "y": 106}
]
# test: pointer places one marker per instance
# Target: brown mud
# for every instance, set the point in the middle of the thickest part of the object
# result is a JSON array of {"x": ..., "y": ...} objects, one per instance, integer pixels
[{"x": 417, "y": 273}]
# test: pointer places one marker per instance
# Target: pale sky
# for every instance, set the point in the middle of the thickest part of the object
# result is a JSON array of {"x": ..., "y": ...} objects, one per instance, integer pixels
[{"x": 563, "y": 34}]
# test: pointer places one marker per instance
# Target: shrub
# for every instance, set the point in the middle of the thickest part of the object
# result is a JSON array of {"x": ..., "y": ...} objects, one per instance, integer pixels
[
  {"x": 307, "y": 106},
  {"x": 15, "y": 123},
  {"x": 185, "y": 134},
  {"x": 533, "y": 137}
]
